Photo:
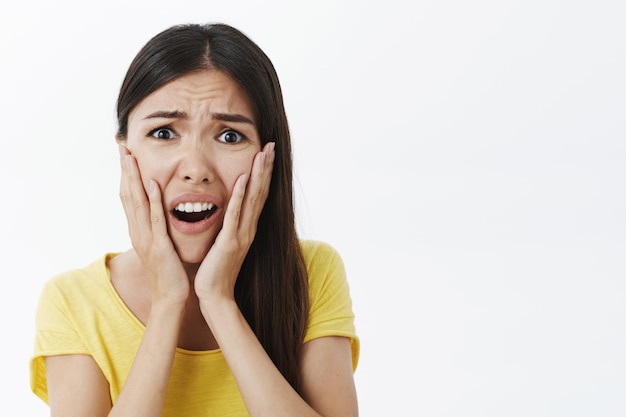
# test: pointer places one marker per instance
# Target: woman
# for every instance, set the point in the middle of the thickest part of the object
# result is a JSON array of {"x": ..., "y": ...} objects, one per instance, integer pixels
[{"x": 218, "y": 309}]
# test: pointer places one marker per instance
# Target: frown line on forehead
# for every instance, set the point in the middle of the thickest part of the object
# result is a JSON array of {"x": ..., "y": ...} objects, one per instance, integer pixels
[{"x": 225, "y": 117}]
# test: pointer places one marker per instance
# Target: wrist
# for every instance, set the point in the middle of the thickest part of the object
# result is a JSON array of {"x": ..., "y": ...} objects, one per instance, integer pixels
[
  {"x": 166, "y": 309},
  {"x": 216, "y": 306}
]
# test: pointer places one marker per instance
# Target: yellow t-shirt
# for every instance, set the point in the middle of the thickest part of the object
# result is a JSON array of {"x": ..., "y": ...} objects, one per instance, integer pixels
[{"x": 80, "y": 312}]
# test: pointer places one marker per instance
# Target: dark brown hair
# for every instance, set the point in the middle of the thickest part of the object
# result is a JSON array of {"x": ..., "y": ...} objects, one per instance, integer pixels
[{"x": 272, "y": 287}]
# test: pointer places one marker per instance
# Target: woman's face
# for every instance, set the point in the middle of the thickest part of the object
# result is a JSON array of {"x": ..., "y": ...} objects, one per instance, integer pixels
[{"x": 194, "y": 136}]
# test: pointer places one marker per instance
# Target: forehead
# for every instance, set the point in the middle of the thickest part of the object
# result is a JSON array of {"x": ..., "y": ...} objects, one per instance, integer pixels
[{"x": 198, "y": 94}]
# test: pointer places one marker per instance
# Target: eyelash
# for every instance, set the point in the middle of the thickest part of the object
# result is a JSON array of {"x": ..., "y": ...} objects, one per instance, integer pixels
[
  {"x": 242, "y": 137},
  {"x": 153, "y": 133}
]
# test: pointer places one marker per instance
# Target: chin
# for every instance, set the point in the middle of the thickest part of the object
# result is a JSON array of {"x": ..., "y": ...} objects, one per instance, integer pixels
[{"x": 193, "y": 252}]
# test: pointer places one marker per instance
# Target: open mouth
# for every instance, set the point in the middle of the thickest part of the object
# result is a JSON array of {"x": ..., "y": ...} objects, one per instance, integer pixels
[{"x": 194, "y": 212}]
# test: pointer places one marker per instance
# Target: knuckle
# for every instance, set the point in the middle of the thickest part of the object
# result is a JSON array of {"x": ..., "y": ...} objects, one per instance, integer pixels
[
  {"x": 254, "y": 199},
  {"x": 124, "y": 196},
  {"x": 235, "y": 212}
]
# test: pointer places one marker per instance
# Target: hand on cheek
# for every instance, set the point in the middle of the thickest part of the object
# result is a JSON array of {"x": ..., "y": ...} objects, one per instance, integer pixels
[
  {"x": 148, "y": 233},
  {"x": 219, "y": 270}
]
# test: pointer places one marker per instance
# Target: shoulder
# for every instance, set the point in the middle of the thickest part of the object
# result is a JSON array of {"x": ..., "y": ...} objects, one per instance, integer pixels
[
  {"x": 96, "y": 268},
  {"x": 318, "y": 254},
  {"x": 315, "y": 246},
  {"x": 325, "y": 269},
  {"x": 76, "y": 284}
]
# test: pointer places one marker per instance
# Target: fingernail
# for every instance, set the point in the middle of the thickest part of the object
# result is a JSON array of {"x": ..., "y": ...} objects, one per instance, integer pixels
[
  {"x": 128, "y": 161},
  {"x": 152, "y": 185}
]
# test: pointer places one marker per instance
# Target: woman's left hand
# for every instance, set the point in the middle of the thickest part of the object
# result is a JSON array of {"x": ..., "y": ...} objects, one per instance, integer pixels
[{"x": 218, "y": 272}]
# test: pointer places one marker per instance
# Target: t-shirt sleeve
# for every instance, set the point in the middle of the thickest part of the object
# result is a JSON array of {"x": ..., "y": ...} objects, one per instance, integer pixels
[
  {"x": 331, "y": 311},
  {"x": 55, "y": 334}
]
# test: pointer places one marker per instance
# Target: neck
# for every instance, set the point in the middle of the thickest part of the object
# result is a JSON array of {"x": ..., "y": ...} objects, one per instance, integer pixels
[{"x": 191, "y": 270}]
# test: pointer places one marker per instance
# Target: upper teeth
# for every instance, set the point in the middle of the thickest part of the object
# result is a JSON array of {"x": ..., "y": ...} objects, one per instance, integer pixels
[{"x": 194, "y": 207}]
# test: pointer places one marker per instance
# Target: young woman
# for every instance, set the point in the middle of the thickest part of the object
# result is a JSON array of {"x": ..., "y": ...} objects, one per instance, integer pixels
[{"x": 219, "y": 309}]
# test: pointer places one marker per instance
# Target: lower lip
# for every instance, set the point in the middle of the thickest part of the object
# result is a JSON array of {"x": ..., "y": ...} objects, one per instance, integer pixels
[{"x": 193, "y": 227}]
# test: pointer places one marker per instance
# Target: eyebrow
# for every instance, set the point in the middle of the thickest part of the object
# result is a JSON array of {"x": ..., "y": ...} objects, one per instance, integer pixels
[
  {"x": 225, "y": 117},
  {"x": 166, "y": 115},
  {"x": 228, "y": 117}
]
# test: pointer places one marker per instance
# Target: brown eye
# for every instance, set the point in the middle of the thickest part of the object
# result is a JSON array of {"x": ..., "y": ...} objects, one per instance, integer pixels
[
  {"x": 163, "y": 133},
  {"x": 231, "y": 136}
]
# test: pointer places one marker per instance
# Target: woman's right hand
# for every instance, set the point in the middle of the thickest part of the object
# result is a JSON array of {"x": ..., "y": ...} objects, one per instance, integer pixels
[{"x": 148, "y": 233}]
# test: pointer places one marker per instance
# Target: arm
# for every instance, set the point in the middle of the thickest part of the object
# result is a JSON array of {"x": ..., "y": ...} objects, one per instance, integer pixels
[
  {"x": 327, "y": 380},
  {"x": 143, "y": 394},
  {"x": 76, "y": 385},
  {"x": 144, "y": 391}
]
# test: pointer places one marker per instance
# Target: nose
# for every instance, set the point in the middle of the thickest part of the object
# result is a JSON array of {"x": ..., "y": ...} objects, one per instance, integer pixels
[{"x": 196, "y": 166}]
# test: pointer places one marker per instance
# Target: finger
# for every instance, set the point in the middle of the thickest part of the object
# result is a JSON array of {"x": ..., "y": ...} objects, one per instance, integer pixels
[
  {"x": 233, "y": 209},
  {"x": 134, "y": 198},
  {"x": 258, "y": 187},
  {"x": 157, "y": 213},
  {"x": 125, "y": 189},
  {"x": 137, "y": 191}
]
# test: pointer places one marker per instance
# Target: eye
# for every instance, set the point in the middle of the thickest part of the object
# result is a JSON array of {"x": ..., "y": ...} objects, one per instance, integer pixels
[
  {"x": 231, "y": 136},
  {"x": 162, "y": 133}
]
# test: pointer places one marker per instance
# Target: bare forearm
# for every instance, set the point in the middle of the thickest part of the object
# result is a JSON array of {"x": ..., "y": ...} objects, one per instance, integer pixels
[
  {"x": 263, "y": 388},
  {"x": 143, "y": 394}
]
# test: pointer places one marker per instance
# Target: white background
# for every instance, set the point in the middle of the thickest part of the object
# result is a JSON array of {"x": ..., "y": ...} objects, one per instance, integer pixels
[{"x": 467, "y": 159}]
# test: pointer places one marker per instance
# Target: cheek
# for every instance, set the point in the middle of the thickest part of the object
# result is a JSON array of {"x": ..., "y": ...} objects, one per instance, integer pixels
[
  {"x": 239, "y": 166},
  {"x": 150, "y": 168}
]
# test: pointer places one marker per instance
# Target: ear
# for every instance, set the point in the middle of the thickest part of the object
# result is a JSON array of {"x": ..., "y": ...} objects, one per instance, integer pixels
[{"x": 120, "y": 140}]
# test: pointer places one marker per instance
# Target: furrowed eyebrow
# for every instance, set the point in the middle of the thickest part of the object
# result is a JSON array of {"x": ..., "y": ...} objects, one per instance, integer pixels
[
  {"x": 225, "y": 117},
  {"x": 235, "y": 118},
  {"x": 166, "y": 115}
]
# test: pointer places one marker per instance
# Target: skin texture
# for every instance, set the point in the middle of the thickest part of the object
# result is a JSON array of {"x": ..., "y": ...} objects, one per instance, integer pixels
[{"x": 179, "y": 280}]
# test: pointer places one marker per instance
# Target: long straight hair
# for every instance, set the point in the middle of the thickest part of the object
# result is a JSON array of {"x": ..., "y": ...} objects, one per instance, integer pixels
[{"x": 272, "y": 286}]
